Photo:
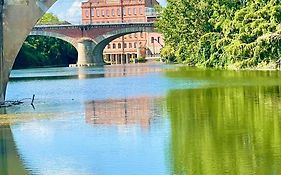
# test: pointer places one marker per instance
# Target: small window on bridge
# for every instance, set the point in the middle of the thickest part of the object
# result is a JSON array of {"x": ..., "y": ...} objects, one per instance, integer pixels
[
  {"x": 108, "y": 46},
  {"x": 113, "y": 45},
  {"x": 112, "y": 12},
  {"x": 125, "y": 45},
  {"x": 141, "y": 35},
  {"x": 119, "y": 45},
  {"x": 130, "y": 45},
  {"x": 136, "y": 35},
  {"x": 107, "y": 12},
  {"x": 92, "y": 12},
  {"x": 135, "y": 44},
  {"x": 102, "y": 12},
  {"x": 135, "y": 11}
]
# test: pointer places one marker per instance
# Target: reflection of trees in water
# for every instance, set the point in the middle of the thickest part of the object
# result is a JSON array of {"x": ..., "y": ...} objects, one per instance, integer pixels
[
  {"x": 226, "y": 130},
  {"x": 10, "y": 163}
]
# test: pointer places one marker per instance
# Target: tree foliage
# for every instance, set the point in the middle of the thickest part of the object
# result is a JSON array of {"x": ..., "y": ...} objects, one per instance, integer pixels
[
  {"x": 49, "y": 19},
  {"x": 39, "y": 51},
  {"x": 223, "y": 34}
]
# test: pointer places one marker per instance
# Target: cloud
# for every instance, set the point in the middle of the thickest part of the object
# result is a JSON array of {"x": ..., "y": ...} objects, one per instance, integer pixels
[{"x": 68, "y": 10}]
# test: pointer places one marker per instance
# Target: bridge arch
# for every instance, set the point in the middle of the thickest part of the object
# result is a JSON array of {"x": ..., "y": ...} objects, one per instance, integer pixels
[
  {"x": 103, "y": 40},
  {"x": 65, "y": 38},
  {"x": 17, "y": 20}
]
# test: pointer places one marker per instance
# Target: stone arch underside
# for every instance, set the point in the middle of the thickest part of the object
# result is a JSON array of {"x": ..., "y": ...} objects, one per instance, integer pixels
[
  {"x": 65, "y": 38},
  {"x": 103, "y": 40}
]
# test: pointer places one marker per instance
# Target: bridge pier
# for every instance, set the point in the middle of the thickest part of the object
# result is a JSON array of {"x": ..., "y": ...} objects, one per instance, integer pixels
[{"x": 86, "y": 55}]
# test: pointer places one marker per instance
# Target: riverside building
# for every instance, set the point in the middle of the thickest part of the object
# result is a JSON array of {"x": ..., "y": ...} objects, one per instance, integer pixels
[{"x": 129, "y": 47}]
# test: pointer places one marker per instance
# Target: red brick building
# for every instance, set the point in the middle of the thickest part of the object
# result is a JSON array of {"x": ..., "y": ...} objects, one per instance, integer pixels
[{"x": 132, "y": 45}]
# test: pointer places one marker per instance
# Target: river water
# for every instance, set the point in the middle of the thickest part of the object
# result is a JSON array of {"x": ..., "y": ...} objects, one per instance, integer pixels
[{"x": 142, "y": 119}]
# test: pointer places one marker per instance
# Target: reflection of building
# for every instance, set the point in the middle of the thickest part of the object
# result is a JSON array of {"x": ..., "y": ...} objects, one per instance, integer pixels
[
  {"x": 130, "y": 70},
  {"x": 120, "y": 112},
  {"x": 117, "y": 11}
]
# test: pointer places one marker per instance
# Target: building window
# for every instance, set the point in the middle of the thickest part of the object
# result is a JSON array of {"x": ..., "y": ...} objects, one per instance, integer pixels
[
  {"x": 119, "y": 45},
  {"x": 107, "y": 12},
  {"x": 136, "y": 35},
  {"x": 93, "y": 12},
  {"x": 125, "y": 45},
  {"x": 102, "y": 12},
  {"x": 135, "y": 44},
  {"x": 141, "y": 35},
  {"x": 135, "y": 11},
  {"x": 130, "y": 45},
  {"x": 108, "y": 46},
  {"x": 118, "y": 12},
  {"x": 140, "y": 11},
  {"x": 130, "y": 35},
  {"x": 113, "y": 45},
  {"x": 124, "y": 11},
  {"x": 112, "y": 12},
  {"x": 87, "y": 13},
  {"x": 98, "y": 13},
  {"x": 129, "y": 11}
]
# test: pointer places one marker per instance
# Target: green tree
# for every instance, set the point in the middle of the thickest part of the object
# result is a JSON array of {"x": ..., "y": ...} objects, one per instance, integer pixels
[
  {"x": 50, "y": 18},
  {"x": 40, "y": 51},
  {"x": 222, "y": 33}
]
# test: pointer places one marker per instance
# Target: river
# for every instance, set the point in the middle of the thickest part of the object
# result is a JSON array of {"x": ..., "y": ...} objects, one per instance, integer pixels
[{"x": 142, "y": 119}]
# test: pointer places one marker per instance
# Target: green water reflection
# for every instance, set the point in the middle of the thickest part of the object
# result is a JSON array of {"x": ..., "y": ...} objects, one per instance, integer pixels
[
  {"x": 10, "y": 162},
  {"x": 234, "y": 130}
]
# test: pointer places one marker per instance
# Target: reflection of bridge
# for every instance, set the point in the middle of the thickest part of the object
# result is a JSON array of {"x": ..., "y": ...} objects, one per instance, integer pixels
[
  {"x": 90, "y": 40},
  {"x": 18, "y": 17},
  {"x": 120, "y": 112}
]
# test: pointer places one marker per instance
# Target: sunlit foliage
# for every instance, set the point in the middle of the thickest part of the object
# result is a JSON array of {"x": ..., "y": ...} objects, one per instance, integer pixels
[{"x": 222, "y": 34}]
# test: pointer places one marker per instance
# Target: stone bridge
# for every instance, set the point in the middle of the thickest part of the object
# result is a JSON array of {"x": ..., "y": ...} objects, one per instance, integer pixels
[
  {"x": 18, "y": 17},
  {"x": 90, "y": 40}
]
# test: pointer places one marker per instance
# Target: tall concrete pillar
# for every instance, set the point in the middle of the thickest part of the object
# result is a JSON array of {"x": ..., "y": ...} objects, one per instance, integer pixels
[{"x": 85, "y": 53}]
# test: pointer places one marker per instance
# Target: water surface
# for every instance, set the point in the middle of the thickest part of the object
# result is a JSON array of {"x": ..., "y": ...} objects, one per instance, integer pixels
[{"x": 142, "y": 119}]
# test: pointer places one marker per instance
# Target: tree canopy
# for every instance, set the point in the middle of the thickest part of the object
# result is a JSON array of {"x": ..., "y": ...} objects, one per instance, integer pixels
[
  {"x": 50, "y": 18},
  {"x": 222, "y": 34}
]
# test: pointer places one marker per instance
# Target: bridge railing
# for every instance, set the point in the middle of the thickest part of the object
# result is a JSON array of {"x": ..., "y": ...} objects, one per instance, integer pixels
[{"x": 101, "y": 25}]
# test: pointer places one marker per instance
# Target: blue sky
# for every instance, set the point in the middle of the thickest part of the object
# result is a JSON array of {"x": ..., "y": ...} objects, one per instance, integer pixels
[{"x": 69, "y": 10}]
